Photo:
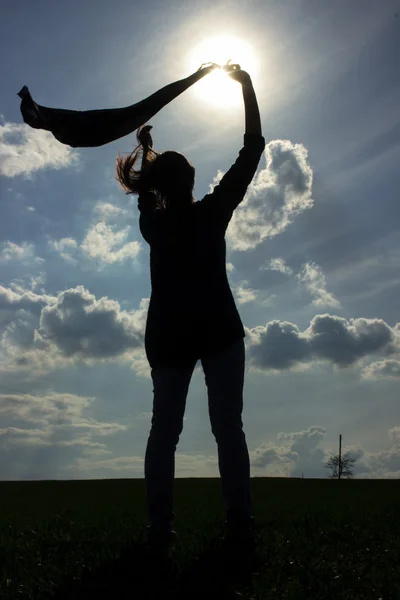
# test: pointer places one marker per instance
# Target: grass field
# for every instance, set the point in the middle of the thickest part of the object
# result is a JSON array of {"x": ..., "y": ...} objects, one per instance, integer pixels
[{"x": 314, "y": 539}]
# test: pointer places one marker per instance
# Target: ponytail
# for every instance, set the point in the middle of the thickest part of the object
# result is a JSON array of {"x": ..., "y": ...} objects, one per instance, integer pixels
[{"x": 136, "y": 181}]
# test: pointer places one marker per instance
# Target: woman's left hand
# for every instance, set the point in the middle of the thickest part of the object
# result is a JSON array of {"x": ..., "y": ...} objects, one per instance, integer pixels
[{"x": 210, "y": 66}]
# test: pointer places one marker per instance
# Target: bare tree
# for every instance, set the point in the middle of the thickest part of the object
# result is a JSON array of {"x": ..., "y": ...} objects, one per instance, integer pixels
[{"x": 341, "y": 467}]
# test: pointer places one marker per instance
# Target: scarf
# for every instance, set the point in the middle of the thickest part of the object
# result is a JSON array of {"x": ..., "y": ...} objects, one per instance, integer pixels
[{"x": 91, "y": 128}]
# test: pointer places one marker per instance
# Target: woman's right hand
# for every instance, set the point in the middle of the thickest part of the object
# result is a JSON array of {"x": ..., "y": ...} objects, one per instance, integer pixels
[
  {"x": 251, "y": 110},
  {"x": 241, "y": 76}
]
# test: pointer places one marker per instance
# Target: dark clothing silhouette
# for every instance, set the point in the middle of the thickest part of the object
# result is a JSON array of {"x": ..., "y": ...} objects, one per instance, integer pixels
[
  {"x": 192, "y": 311},
  {"x": 192, "y": 315}
]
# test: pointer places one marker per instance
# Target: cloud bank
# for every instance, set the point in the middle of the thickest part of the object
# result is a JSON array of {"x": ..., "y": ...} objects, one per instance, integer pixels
[
  {"x": 281, "y": 345},
  {"x": 300, "y": 452},
  {"x": 38, "y": 329},
  {"x": 41, "y": 332}
]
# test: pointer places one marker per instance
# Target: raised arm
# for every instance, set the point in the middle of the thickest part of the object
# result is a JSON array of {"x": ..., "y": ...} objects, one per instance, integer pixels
[
  {"x": 233, "y": 186},
  {"x": 251, "y": 110},
  {"x": 154, "y": 103}
]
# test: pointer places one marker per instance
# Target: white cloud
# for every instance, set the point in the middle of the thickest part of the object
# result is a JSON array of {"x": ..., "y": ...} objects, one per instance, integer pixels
[
  {"x": 382, "y": 369},
  {"x": 108, "y": 210},
  {"x": 10, "y": 436},
  {"x": 385, "y": 463},
  {"x": 298, "y": 452},
  {"x": 65, "y": 244},
  {"x": 312, "y": 276},
  {"x": 216, "y": 179},
  {"x": 105, "y": 242},
  {"x": 108, "y": 246},
  {"x": 279, "y": 192},
  {"x": 394, "y": 434},
  {"x": 27, "y": 300},
  {"x": 27, "y": 283},
  {"x": 278, "y": 264},
  {"x": 24, "y": 150},
  {"x": 50, "y": 421},
  {"x": 141, "y": 366},
  {"x": 52, "y": 408},
  {"x": 37, "y": 280},
  {"x": 34, "y": 360},
  {"x": 14, "y": 252},
  {"x": 59, "y": 415},
  {"x": 66, "y": 247},
  {"x": 244, "y": 294}
]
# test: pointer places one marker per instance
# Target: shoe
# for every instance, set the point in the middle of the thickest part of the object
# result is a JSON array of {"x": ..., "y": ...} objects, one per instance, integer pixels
[
  {"x": 239, "y": 556},
  {"x": 238, "y": 546},
  {"x": 239, "y": 529},
  {"x": 158, "y": 545},
  {"x": 238, "y": 539}
]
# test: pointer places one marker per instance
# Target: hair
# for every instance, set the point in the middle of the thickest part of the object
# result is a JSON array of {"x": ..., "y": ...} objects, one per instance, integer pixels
[{"x": 168, "y": 174}]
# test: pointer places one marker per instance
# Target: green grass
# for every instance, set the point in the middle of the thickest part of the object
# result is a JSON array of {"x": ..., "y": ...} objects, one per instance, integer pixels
[{"x": 315, "y": 539}]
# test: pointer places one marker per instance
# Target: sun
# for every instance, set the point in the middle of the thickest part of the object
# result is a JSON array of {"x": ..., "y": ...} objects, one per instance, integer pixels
[{"x": 218, "y": 88}]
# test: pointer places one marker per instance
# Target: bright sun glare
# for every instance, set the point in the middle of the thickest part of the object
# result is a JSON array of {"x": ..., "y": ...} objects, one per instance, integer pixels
[{"x": 218, "y": 88}]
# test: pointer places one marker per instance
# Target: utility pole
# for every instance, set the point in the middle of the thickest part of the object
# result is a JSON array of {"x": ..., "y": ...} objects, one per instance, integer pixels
[{"x": 340, "y": 455}]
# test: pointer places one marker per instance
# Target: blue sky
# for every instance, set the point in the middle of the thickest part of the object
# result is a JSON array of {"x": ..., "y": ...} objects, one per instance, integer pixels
[{"x": 312, "y": 251}]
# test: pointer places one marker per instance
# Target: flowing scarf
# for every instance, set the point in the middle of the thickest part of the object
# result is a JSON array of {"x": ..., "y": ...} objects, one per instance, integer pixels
[{"x": 91, "y": 128}]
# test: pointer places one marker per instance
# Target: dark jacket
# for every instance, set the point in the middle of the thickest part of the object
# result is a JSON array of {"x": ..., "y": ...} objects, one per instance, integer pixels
[{"x": 192, "y": 311}]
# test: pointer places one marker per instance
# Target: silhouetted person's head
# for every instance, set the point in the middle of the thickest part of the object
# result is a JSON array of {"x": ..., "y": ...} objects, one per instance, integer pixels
[{"x": 169, "y": 174}]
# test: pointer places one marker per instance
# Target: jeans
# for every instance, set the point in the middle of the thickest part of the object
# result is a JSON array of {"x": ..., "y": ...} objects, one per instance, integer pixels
[{"x": 224, "y": 377}]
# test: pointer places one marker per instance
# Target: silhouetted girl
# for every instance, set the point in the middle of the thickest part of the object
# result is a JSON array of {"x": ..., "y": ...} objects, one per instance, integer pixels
[{"x": 192, "y": 313}]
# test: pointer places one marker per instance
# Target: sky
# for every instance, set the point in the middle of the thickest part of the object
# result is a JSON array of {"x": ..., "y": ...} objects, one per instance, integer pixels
[{"x": 313, "y": 251}]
